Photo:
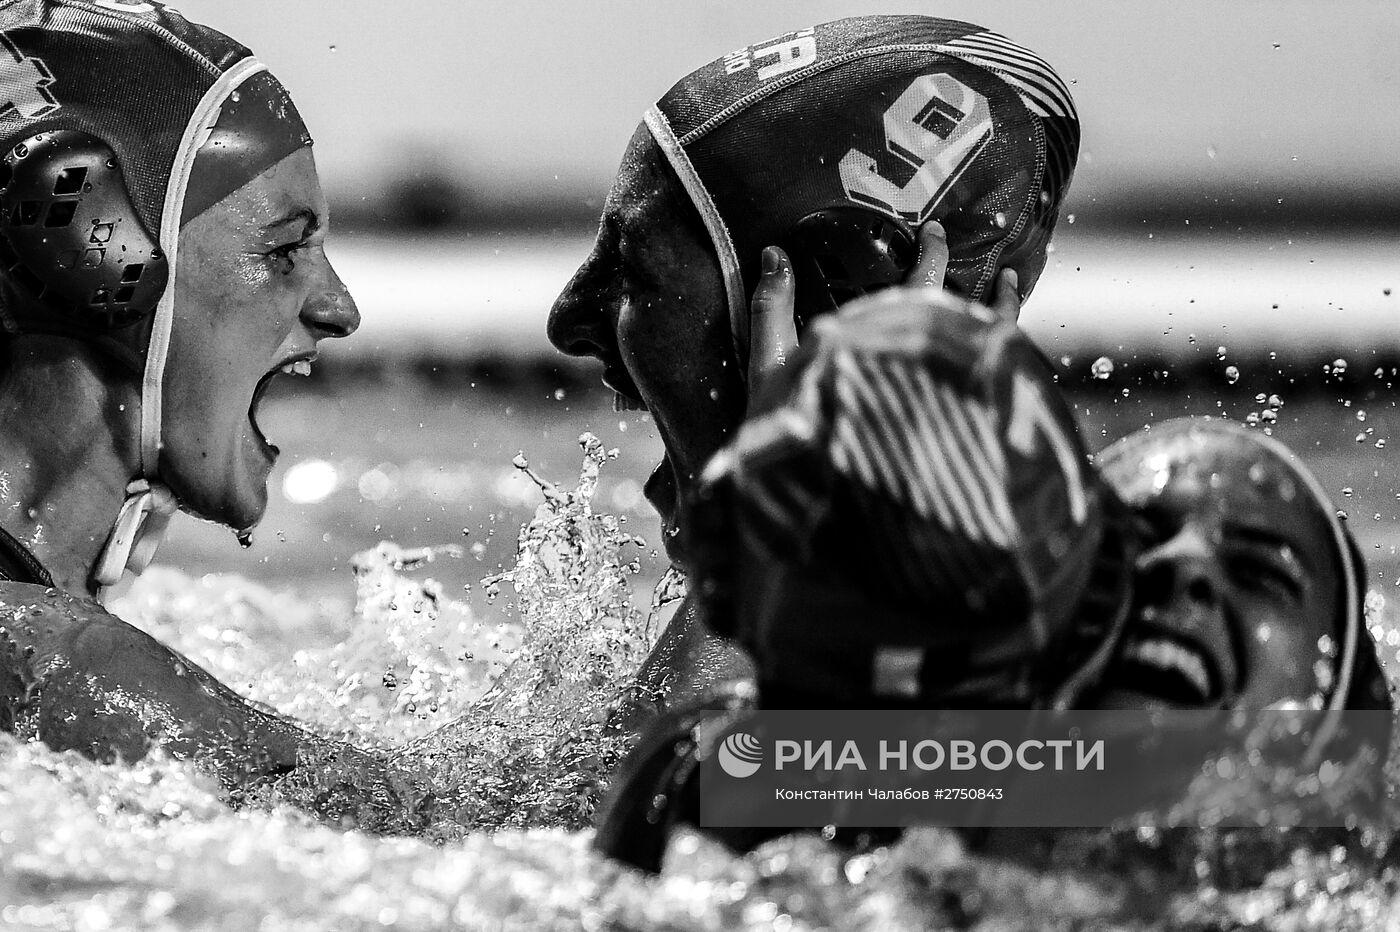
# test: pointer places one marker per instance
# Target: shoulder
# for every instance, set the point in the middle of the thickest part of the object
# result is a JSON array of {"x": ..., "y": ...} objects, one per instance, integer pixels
[{"x": 43, "y": 628}]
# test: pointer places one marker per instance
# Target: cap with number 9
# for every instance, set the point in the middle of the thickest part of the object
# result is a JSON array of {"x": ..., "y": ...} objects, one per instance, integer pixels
[{"x": 909, "y": 117}]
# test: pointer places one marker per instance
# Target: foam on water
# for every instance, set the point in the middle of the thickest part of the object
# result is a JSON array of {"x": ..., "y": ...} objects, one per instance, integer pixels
[{"x": 502, "y": 730}]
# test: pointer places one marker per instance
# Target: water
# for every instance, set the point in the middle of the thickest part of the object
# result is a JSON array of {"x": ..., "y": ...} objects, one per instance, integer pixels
[
  {"x": 372, "y": 650},
  {"x": 503, "y": 724}
]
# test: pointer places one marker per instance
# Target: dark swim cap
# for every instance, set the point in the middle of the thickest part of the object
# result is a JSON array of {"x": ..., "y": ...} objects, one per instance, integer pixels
[
  {"x": 135, "y": 79},
  {"x": 913, "y": 117},
  {"x": 1144, "y": 458},
  {"x": 909, "y": 516}
]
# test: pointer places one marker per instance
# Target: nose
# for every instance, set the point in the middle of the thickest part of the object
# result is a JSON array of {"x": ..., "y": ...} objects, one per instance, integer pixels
[
  {"x": 577, "y": 325},
  {"x": 1181, "y": 572},
  {"x": 331, "y": 312}
]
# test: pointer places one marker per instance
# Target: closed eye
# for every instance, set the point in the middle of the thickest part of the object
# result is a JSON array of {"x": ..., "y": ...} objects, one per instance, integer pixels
[
  {"x": 1155, "y": 523},
  {"x": 1261, "y": 573},
  {"x": 285, "y": 255}
]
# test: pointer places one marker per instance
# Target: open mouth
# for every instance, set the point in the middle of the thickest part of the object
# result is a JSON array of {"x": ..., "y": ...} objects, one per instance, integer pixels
[
  {"x": 297, "y": 365},
  {"x": 625, "y": 394},
  {"x": 1166, "y": 667},
  {"x": 660, "y": 490}
]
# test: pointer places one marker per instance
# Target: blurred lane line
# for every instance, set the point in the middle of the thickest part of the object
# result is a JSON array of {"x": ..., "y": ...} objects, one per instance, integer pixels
[{"x": 471, "y": 296}]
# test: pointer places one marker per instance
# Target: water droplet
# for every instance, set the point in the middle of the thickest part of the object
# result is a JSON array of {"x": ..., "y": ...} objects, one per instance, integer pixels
[
  {"x": 1361, "y": 437},
  {"x": 1347, "y": 491},
  {"x": 332, "y": 48},
  {"x": 1102, "y": 368},
  {"x": 1232, "y": 374},
  {"x": 1275, "y": 401},
  {"x": 520, "y": 462},
  {"x": 559, "y": 394},
  {"x": 1000, "y": 219},
  {"x": 1260, "y": 398},
  {"x": 1210, "y": 151},
  {"x": 1069, "y": 219},
  {"x": 1322, "y": 672},
  {"x": 1220, "y": 352},
  {"x": 1339, "y": 366},
  {"x": 1251, "y": 419},
  {"x": 1361, "y": 415}
]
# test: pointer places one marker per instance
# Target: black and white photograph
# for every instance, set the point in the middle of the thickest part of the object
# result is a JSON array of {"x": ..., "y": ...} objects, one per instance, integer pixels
[{"x": 828, "y": 465}]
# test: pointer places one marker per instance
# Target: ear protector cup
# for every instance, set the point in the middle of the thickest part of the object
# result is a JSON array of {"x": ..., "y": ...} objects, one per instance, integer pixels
[
  {"x": 841, "y": 253},
  {"x": 70, "y": 236}
]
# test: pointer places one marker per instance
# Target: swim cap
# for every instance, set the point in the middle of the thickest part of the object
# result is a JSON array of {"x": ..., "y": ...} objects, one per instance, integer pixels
[
  {"x": 1224, "y": 452},
  {"x": 136, "y": 78},
  {"x": 910, "y": 516},
  {"x": 912, "y": 117}
]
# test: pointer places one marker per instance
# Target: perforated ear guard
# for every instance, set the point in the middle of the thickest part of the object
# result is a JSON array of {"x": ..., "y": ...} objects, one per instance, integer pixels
[
  {"x": 843, "y": 252},
  {"x": 70, "y": 236}
]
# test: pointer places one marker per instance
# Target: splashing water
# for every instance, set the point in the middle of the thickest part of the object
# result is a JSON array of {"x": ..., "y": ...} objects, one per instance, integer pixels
[
  {"x": 407, "y": 659},
  {"x": 536, "y": 749},
  {"x": 505, "y": 724}
]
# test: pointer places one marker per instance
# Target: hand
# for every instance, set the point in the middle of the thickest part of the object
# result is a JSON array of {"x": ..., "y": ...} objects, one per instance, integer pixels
[
  {"x": 931, "y": 269},
  {"x": 773, "y": 330},
  {"x": 772, "y": 327}
]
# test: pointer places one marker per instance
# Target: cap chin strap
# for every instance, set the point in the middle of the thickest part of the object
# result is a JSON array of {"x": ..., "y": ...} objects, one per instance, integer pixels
[
  {"x": 149, "y": 503},
  {"x": 140, "y": 526},
  {"x": 738, "y": 302}
]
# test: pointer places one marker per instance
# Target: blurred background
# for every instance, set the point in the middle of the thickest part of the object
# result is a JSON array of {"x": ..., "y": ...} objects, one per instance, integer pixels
[{"x": 1230, "y": 246}]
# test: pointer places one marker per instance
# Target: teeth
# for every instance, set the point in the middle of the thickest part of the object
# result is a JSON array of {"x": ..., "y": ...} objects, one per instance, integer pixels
[
  {"x": 622, "y": 403},
  {"x": 300, "y": 367},
  {"x": 1168, "y": 655}
]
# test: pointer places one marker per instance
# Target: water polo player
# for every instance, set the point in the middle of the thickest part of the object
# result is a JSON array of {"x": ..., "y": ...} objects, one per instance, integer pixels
[
  {"x": 908, "y": 520},
  {"x": 1249, "y": 589},
  {"x": 161, "y": 259},
  {"x": 835, "y": 143}
]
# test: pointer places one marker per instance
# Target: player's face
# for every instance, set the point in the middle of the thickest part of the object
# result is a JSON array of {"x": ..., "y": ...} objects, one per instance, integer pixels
[
  {"x": 649, "y": 304},
  {"x": 1238, "y": 585},
  {"x": 256, "y": 294}
]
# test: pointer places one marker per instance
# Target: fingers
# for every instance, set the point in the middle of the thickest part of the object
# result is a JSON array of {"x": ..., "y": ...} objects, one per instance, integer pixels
[
  {"x": 1007, "y": 301},
  {"x": 772, "y": 329},
  {"x": 932, "y": 264}
]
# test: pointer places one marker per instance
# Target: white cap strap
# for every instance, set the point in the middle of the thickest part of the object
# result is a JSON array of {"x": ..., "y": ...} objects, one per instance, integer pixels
[
  {"x": 149, "y": 503},
  {"x": 140, "y": 525},
  {"x": 738, "y": 302}
]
